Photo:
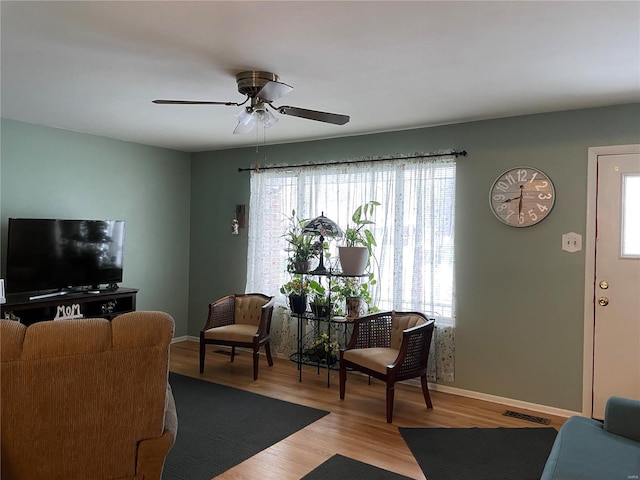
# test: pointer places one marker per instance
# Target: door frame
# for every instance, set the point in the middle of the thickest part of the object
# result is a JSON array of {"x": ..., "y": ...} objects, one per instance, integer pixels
[{"x": 590, "y": 267}]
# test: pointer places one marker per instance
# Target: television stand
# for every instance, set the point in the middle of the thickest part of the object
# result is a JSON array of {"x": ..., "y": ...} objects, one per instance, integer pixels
[{"x": 69, "y": 304}]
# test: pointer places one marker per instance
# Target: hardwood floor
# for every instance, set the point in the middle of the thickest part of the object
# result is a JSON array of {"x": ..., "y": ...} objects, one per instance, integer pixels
[{"x": 356, "y": 426}]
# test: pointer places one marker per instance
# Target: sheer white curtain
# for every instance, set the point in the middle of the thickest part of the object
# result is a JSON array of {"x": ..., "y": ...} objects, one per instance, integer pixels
[{"x": 414, "y": 230}]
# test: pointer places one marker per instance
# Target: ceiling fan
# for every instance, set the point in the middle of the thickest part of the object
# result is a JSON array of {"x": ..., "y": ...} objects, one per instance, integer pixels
[{"x": 262, "y": 89}]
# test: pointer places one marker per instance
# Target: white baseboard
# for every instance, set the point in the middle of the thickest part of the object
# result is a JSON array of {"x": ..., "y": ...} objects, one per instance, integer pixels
[
  {"x": 184, "y": 338},
  {"x": 503, "y": 400},
  {"x": 558, "y": 412}
]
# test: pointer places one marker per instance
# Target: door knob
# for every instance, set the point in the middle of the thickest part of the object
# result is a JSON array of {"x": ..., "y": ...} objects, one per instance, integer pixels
[
  {"x": 604, "y": 284},
  {"x": 603, "y": 301}
]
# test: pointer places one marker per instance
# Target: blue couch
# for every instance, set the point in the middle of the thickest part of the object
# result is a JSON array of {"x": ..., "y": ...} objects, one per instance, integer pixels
[{"x": 587, "y": 449}]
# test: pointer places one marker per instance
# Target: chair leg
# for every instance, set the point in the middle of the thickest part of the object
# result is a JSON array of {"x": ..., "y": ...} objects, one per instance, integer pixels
[
  {"x": 256, "y": 356},
  {"x": 233, "y": 353},
  {"x": 390, "y": 392},
  {"x": 425, "y": 391},
  {"x": 343, "y": 380},
  {"x": 267, "y": 350},
  {"x": 202, "y": 352}
]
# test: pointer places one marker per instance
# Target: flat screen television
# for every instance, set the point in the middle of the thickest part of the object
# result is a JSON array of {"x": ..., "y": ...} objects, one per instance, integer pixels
[{"x": 49, "y": 254}]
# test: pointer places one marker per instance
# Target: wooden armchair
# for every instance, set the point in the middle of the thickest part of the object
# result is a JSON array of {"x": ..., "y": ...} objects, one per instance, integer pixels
[
  {"x": 241, "y": 320},
  {"x": 390, "y": 346}
]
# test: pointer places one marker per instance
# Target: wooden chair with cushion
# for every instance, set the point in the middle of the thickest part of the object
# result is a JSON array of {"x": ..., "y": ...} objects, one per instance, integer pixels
[
  {"x": 240, "y": 320},
  {"x": 390, "y": 346}
]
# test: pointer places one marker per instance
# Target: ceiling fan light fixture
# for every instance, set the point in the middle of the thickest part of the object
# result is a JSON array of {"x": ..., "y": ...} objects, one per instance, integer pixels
[
  {"x": 267, "y": 118},
  {"x": 246, "y": 122},
  {"x": 245, "y": 115}
]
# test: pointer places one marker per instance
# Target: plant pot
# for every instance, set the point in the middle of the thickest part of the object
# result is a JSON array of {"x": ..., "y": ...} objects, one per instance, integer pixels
[
  {"x": 315, "y": 357},
  {"x": 322, "y": 357},
  {"x": 298, "y": 303},
  {"x": 302, "y": 267},
  {"x": 353, "y": 260},
  {"x": 320, "y": 311},
  {"x": 355, "y": 307}
]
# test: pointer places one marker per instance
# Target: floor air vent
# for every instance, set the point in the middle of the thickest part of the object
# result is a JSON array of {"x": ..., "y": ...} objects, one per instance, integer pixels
[{"x": 524, "y": 416}]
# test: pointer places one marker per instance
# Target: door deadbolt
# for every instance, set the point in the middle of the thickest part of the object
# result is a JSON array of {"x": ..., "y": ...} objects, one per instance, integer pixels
[
  {"x": 604, "y": 285},
  {"x": 603, "y": 301}
]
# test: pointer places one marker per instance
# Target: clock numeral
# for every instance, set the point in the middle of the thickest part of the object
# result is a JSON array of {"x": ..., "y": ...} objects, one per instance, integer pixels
[
  {"x": 542, "y": 185},
  {"x": 499, "y": 198},
  {"x": 501, "y": 208},
  {"x": 521, "y": 218},
  {"x": 541, "y": 207},
  {"x": 511, "y": 212},
  {"x": 544, "y": 196},
  {"x": 522, "y": 175},
  {"x": 535, "y": 174},
  {"x": 509, "y": 178},
  {"x": 502, "y": 186},
  {"x": 532, "y": 215}
]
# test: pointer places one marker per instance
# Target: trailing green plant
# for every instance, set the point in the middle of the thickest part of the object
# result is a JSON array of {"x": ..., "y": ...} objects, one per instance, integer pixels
[
  {"x": 296, "y": 286},
  {"x": 359, "y": 235},
  {"x": 323, "y": 349},
  {"x": 302, "y": 248},
  {"x": 320, "y": 303},
  {"x": 354, "y": 287},
  {"x": 319, "y": 294}
]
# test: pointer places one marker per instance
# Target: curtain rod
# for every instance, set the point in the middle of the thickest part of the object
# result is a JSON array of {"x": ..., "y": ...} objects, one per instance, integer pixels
[{"x": 258, "y": 168}]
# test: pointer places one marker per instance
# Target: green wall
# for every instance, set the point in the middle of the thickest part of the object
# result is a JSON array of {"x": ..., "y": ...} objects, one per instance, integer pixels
[
  {"x": 52, "y": 173},
  {"x": 519, "y": 296}
]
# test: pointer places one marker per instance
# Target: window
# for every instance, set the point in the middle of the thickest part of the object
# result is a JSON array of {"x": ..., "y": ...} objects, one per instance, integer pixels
[
  {"x": 630, "y": 218},
  {"x": 414, "y": 226}
]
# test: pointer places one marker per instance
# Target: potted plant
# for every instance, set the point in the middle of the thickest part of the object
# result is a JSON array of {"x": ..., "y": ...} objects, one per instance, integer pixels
[
  {"x": 323, "y": 349},
  {"x": 320, "y": 301},
  {"x": 296, "y": 290},
  {"x": 302, "y": 247},
  {"x": 359, "y": 240},
  {"x": 355, "y": 292}
]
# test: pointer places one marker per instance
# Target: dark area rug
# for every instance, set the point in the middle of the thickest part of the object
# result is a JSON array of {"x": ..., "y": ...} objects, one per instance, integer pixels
[
  {"x": 480, "y": 453},
  {"x": 345, "y": 468},
  {"x": 220, "y": 427}
]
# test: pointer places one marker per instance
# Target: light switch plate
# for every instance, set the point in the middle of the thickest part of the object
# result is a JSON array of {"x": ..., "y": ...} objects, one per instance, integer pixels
[{"x": 571, "y": 242}]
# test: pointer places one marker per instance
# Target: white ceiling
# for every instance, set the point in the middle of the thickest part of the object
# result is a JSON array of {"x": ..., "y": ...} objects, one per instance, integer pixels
[{"x": 94, "y": 67}]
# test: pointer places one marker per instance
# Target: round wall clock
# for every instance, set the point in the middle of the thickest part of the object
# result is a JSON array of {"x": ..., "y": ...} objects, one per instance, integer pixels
[{"x": 522, "y": 196}]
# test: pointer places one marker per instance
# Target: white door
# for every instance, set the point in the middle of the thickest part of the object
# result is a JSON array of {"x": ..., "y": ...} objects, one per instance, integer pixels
[{"x": 616, "y": 329}]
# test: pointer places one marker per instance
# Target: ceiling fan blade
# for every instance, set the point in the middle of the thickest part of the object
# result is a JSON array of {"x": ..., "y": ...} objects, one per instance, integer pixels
[
  {"x": 193, "y": 102},
  {"x": 334, "y": 118},
  {"x": 272, "y": 91}
]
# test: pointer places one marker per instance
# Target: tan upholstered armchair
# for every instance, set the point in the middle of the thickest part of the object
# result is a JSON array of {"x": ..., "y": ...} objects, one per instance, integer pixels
[
  {"x": 241, "y": 320},
  {"x": 87, "y": 398},
  {"x": 390, "y": 346}
]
